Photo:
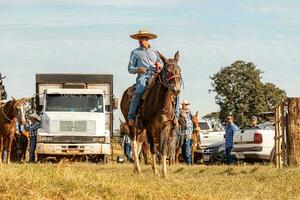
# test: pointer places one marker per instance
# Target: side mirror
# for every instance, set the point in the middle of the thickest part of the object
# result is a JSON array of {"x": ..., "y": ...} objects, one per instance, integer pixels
[{"x": 108, "y": 108}]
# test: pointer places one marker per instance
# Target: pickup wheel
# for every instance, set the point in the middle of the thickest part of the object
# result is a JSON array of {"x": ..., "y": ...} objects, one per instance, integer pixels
[{"x": 41, "y": 158}]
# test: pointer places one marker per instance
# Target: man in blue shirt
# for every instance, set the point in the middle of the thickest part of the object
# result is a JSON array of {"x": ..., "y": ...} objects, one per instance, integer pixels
[
  {"x": 145, "y": 62},
  {"x": 230, "y": 130},
  {"x": 33, "y": 128}
]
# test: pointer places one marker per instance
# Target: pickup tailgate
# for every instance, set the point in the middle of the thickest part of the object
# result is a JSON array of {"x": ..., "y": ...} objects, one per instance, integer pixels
[{"x": 257, "y": 142}]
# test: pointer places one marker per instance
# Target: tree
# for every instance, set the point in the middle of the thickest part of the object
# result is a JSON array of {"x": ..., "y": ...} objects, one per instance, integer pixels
[{"x": 241, "y": 92}]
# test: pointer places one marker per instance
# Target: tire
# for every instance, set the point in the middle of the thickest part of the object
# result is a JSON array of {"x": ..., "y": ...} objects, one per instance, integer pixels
[{"x": 41, "y": 158}]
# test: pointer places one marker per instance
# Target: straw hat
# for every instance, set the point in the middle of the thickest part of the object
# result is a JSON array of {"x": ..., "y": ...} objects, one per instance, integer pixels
[
  {"x": 185, "y": 102},
  {"x": 35, "y": 116},
  {"x": 143, "y": 33}
]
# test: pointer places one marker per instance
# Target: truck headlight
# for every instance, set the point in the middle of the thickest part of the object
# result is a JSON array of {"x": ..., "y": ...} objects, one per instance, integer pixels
[
  {"x": 221, "y": 149},
  {"x": 44, "y": 139},
  {"x": 101, "y": 139},
  {"x": 98, "y": 139}
]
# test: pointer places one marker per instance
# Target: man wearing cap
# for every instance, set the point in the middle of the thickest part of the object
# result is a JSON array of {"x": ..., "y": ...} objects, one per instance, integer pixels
[
  {"x": 33, "y": 127},
  {"x": 254, "y": 122},
  {"x": 186, "y": 131},
  {"x": 145, "y": 62}
]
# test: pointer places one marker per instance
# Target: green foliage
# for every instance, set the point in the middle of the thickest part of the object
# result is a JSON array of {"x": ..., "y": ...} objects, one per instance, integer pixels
[{"x": 241, "y": 92}]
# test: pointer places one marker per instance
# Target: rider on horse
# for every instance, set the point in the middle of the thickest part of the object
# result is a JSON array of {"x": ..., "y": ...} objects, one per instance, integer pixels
[{"x": 145, "y": 62}]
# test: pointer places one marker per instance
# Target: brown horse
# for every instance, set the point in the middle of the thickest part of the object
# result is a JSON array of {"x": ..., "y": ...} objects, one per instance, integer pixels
[
  {"x": 142, "y": 142},
  {"x": 196, "y": 135},
  {"x": 157, "y": 112},
  {"x": 10, "y": 113},
  {"x": 195, "y": 138}
]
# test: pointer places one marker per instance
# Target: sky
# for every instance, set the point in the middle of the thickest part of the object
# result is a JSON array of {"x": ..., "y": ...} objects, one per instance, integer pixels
[{"x": 81, "y": 36}]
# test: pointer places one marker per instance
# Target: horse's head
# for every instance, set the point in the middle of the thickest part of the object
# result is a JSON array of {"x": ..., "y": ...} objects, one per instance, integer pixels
[
  {"x": 18, "y": 110},
  {"x": 171, "y": 73}
]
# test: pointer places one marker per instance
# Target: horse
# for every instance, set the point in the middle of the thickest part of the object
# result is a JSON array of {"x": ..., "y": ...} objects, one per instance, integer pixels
[
  {"x": 143, "y": 145},
  {"x": 10, "y": 113},
  {"x": 195, "y": 138},
  {"x": 196, "y": 135},
  {"x": 156, "y": 112}
]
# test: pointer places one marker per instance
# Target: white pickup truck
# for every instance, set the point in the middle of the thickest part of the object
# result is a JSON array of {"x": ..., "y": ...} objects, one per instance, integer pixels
[
  {"x": 254, "y": 144},
  {"x": 208, "y": 136}
]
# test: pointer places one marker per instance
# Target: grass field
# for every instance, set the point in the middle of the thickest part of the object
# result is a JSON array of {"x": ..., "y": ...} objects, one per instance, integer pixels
[{"x": 117, "y": 181}]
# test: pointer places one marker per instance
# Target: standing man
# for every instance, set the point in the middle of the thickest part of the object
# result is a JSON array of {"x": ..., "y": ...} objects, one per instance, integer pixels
[
  {"x": 230, "y": 130},
  {"x": 186, "y": 130},
  {"x": 126, "y": 143},
  {"x": 145, "y": 62},
  {"x": 33, "y": 127}
]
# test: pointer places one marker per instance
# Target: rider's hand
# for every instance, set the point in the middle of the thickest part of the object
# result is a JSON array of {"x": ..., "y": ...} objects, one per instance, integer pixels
[
  {"x": 141, "y": 70},
  {"x": 158, "y": 67}
]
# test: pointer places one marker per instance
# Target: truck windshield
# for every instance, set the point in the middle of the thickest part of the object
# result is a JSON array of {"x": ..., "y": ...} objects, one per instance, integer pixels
[
  {"x": 74, "y": 102},
  {"x": 204, "y": 126}
]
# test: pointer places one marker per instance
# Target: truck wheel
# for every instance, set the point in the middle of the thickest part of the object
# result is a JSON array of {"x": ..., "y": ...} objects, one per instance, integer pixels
[
  {"x": 41, "y": 158},
  {"x": 103, "y": 159}
]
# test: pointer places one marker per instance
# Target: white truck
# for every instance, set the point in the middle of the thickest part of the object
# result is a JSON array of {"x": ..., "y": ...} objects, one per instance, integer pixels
[
  {"x": 255, "y": 143},
  {"x": 76, "y": 116},
  {"x": 208, "y": 135}
]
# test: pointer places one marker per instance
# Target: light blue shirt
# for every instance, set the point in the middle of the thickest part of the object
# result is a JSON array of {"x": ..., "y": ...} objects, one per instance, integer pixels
[{"x": 142, "y": 57}]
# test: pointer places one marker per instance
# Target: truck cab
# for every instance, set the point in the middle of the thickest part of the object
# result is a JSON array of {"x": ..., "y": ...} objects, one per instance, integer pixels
[{"x": 75, "y": 123}]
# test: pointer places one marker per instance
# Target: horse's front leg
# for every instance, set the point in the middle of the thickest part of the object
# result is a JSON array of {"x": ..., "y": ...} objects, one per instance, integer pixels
[
  {"x": 153, "y": 152},
  {"x": 9, "y": 144},
  {"x": 193, "y": 152},
  {"x": 164, "y": 146}
]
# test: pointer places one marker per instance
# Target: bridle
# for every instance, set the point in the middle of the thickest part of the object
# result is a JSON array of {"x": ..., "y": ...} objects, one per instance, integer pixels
[{"x": 164, "y": 79}]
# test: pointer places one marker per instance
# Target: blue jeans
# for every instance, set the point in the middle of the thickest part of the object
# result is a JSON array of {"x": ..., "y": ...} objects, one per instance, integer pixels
[
  {"x": 228, "y": 155},
  {"x": 4, "y": 154},
  {"x": 140, "y": 87},
  {"x": 127, "y": 151},
  {"x": 32, "y": 146},
  {"x": 187, "y": 151}
]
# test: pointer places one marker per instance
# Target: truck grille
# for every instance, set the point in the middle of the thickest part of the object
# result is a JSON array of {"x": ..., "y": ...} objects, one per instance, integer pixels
[
  {"x": 72, "y": 139},
  {"x": 73, "y": 126}
]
